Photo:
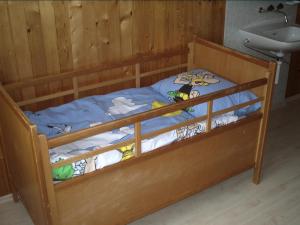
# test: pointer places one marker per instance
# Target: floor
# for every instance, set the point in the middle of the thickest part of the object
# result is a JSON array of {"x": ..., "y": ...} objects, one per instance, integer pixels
[{"x": 237, "y": 201}]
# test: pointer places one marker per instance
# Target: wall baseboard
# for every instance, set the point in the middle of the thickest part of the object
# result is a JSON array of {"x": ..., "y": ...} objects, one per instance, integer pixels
[{"x": 6, "y": 198}]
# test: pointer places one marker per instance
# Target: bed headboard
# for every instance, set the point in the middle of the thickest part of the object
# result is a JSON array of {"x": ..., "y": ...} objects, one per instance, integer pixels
[{"x": 232, "y": 65}]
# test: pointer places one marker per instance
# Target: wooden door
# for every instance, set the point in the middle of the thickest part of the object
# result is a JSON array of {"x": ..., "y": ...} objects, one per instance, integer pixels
[{"x": 293, "y": 86}]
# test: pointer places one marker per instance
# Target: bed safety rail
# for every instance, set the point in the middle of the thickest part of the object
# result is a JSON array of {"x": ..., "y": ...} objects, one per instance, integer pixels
[
  {"x": 136, "y": 120},
  {"x": 261, "y": 81},
  {"x": 135, "y": 62}
]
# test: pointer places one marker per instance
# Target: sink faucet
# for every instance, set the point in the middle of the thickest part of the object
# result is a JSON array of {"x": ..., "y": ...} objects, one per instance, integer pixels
[
  {"x": 271, "y": 8},
  {"x": 283, "y": 13}
]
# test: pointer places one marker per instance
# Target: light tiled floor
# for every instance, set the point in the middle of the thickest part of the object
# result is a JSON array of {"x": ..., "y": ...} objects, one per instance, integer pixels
[{"x": 237, "y": 201}]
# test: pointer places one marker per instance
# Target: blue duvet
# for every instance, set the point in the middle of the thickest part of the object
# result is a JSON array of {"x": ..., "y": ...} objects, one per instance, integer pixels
[
  {"x": 94, "y": 110},
  {"x": 86, "y": 112}
]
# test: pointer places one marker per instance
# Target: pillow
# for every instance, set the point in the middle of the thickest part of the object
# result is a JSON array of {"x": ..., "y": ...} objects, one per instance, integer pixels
[{"x": 201, "y": 82}]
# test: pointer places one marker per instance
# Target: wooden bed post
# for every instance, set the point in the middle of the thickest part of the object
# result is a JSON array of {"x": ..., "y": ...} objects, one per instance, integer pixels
[
  {"x": 12, "y": 187},
  {"x": 22, "y": 155},
  {"x": 52, "y": 211},
  {"x": 264, "y": 124},
  {"x": 137, "y": 134},
  {"x": 209, "y": 115}
]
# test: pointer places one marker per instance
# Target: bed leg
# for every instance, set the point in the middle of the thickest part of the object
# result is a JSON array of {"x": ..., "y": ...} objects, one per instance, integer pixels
[
  {"x": 256, "y": 175},
  {"x": 257, "y": 171}
]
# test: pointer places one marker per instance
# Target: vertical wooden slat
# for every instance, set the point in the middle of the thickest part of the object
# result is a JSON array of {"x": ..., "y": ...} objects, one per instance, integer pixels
[
  {"x": 20, "y": 42},
  {"x": 49, "y": 35},
  {"x": 126, "y": 19},
  {"x": 209, "y": 115},
  {"x": 64, "y": 46},
  {"x": 143, "y": 26},
  {"x": 114, "y": 30},
  {"x": 47, "y": 171},
  {"x": 126, "y": 28},
  {"x": 89, "y": 45},
  {"x": 137, "y": 75},
  {"x": 160, "y": 9},
  {"x": 137, "y": 134},
  {"x": 217, "y": 15},
  {"x": 102, "y": 31},
  {"x": 19, "y": 37},
  {"x": 77, "y": 32},
  {"x": 36, "y": 45},
  {"x": 108, "y": 30},
  {"x": 48, "y": 27},
  {"x": 35, "y": 38},
  {"x": 9, "y": 68},
  {"x": 89, "y": 33},
  {"x": 9, "y": 72},
  {"x": 266, "y": 106}
]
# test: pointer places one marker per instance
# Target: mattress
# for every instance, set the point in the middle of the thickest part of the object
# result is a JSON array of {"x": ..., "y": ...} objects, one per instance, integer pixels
[{"x": 95, "y": 110}]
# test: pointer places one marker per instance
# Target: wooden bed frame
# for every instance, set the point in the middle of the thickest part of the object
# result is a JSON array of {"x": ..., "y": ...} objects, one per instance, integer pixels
[{"x": 128, "y": 190}]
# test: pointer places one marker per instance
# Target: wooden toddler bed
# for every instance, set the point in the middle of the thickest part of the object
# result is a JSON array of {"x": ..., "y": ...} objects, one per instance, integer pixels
[{"x": 133, "y": 188}]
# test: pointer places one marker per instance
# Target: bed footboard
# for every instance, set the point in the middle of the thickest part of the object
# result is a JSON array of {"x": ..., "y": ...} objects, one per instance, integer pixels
[
  {"x": 21, "y": 155},
  {"x": 239, "y": 68},
  {"x": 139, "y": 188}
]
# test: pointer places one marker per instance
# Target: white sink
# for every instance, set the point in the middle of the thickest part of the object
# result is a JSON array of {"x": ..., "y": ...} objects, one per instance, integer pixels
[{"x": 278, "y": 37}]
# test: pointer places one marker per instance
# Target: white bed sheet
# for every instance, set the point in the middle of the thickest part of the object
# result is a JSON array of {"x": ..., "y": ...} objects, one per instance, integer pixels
[{"x": 114, "y": 156}]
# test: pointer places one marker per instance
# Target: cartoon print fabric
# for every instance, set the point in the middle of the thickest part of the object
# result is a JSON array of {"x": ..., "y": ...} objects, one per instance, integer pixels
[
  {"x": 200, "y": 82},
  {"x": 95, "y": 110},
  {"x": 127, "y": 152},
  {"x": 189, "y": 80}
]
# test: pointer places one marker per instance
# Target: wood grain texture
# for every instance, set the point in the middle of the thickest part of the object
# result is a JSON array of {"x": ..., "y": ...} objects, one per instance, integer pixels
[
  {"x": 231, "y": 64},
  {"x": 122, "y": 188},
  {"x": 235, "y": 201},
  {"x": 150, "y": 184},
  {"x": 46, "y": 37},
  {"x": 18, "y": 144},
  {"x": 80, "y": 134}
]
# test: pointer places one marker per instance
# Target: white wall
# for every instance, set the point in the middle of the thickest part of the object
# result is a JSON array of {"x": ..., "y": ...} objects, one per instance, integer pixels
[{"x": 240, "y": 14}]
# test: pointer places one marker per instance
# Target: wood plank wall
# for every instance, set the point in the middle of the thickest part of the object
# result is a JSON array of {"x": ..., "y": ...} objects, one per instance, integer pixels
[
  {"x": 38, "y": 38},
  {"x": 44, "y": 37}
]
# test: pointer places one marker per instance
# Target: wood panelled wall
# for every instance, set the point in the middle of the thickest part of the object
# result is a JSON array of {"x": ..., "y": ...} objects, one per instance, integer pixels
[
  {"x": 39, "y": 38},
  {"x": 45, "y": 37}
]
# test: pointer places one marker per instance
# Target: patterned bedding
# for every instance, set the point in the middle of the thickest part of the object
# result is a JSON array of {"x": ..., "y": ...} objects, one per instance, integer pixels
[{"x": 94, "y": 110}]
